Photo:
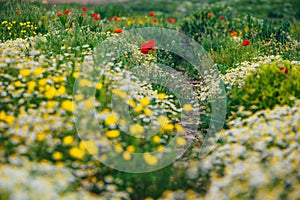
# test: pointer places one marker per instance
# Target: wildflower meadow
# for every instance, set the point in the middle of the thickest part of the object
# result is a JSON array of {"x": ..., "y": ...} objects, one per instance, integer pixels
[{"x": 144, "y": 100}]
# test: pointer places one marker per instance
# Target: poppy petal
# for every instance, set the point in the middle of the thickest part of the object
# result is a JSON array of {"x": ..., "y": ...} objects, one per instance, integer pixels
[
  {"x": 148, "y": 45},
  {"x": 286, "y": 71}
]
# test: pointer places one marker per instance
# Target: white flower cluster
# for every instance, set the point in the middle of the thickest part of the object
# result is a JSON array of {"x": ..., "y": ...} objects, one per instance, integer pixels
[
  {"x": 238, "y": 74},
  {"x": 257, "y": 157},
  {"x": 34, "y": 181}
]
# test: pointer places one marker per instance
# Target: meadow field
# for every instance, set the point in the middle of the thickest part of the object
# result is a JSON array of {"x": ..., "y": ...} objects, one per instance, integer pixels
[{"x": 144, "y": 100}]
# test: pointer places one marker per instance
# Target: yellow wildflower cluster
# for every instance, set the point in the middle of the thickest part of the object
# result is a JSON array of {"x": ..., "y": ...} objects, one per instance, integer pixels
[{"x": 12, "y": 29}]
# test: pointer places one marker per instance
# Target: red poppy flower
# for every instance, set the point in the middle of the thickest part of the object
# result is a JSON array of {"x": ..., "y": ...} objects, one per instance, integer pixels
[
  {"x": 67, "y": 11},
  {"x": 151, "y": 14},
  {"x": 222, "y": 17},
  {"x": 18, "y": 12},
  {"x": 233, "y": 33},
  {"x": 84, "y": 9},
  {"x": 115, "y": 18},
  {"x": 246, "y": 43},
  {"x": 209, "y": 15},
  {"x": 148, "y": 46},
  {"x": 109, "y": 19},
  {"x": 83, "y": 15},
  {"x": 96, "y": 18},
  {"x": 118, "y": 30},
  {"x": 172, "y": 20},
  {"x": 154, "y": 20},
  {"x": 59, "y": 14},
  {"x": 95, "y": 14},
  {"x": 286, "y": 71}
]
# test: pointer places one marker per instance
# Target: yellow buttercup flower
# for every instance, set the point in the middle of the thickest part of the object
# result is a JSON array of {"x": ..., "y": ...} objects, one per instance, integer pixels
[
  {"x": 68, "y": 140},
  {"x": 31, "y": 85},
  {"x": 179, "y": 128},
  {"x": 47, "y": 87},
  {"x": 118, "y": 147},
  {"x": 145, "y": 101},
  {"x": 132, "y": 103},
  {"x": 79, "y": 97},
  {"x": 122, "y": 122},
  {"x": 18, "y": 83},
  {"x": 187, "y": 107},
  {"x": 41, "y": 89},
  {"x": 168, "y": 127},
  {"x": 112, "y": 134},
  {"x": 50, "y": 93},
  {"x": 162, "y": 120},
  {"x": 90, "y": 146},
  {"x": 38, "y": 71},
  {"x": 126, "y": 155},
  {"x": 99, "y": 86},
  {"x": 89, "y": 104},
  {"x": 105, "y": 111},
  {"x": 191, "y": 195},
  {"x": 2, "y": 115},
  {"x": 147, "y": 112},
  {"x": 129, "y": 22},
  {"x": 136, "y": 129},
  {"x": 61, "y": 90},
  {"x": 25, "y": 72},
  {"x": 130, "y": 148},
  {"x": 51, "y": 104},
  {"x": 161, "y": 96},
  {"x": 76, "y": 153},
  {"x": 9, "y": 119},
  {"x": 156, "y": 139},
  {"x": 149, "y": 159},
  {"x": 94, "y": 179},
  {"x": 139, "y": 108},
  {"x": 42, "y": 82},
  {"x": 111, "y": 119},
  {"x": 75, "y": 74},
  {"x": 160, "y": 148},
  {"x": 67, "y": 105},
  {"x": 57, "y": 155},
  {"x": 180, "y": 141},
  {"x": 41, "y": 136}
]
